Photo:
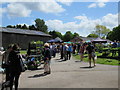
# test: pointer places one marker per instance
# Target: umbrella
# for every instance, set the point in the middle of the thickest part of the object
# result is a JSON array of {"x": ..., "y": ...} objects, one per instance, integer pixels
[
  {"x": 57, "y": 38},
  {"x": 98, "y": 40},
  {"x": 68, "y": 42},
  {"x": 53, "y": 41},
  {"x": 87, "y": 41}
]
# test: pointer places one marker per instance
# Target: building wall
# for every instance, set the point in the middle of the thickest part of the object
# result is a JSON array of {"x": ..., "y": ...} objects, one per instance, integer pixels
[
  {"x": 21, "y": 39},
  {"x": 0, "y": 39}
]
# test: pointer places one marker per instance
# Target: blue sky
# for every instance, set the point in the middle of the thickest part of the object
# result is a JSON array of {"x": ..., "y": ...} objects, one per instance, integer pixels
[{"x": 80, "y": 17}]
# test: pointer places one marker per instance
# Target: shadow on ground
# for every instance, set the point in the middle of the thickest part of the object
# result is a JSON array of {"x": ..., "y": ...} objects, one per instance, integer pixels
[
  {"x": 36, "y": 69},
  {"x": 38, "y": 75},
  {"x": 87, "y": 67}
]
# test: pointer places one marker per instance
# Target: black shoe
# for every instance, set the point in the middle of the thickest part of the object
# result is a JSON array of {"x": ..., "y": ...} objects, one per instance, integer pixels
[{"x": 48, "y": 72}]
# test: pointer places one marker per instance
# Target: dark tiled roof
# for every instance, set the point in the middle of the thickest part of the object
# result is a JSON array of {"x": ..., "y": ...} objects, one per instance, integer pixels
[{"x": 23, "y": 31}]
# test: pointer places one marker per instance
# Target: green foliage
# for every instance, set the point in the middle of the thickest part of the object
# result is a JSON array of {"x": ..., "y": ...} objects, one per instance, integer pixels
[
  {"x": 68, "y": 36},
  {"x": 23, "y": 52},
  {"x": 10, "y": 26},
  {"x": 101, "y": 31},
  {"x": 75, "y": 35},
  {"x": 93, "y": 35},
  {"x": 32, "y": 27},
  {"x": 114, "y": 34},
  {"x": 18, "y": 26},
  {"x": 40, "y": 25},
  {"x": 36, "y": 42},
  {"x": 24, "y": 27},
  {"x": 55, "y": 34},
  {"x": 39, "y": 42}
]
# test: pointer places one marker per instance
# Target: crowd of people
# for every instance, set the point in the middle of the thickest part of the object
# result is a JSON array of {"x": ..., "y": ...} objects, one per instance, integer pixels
[
  {"x": 66, "y": 49},
  {"x": 13, "y": 64}
]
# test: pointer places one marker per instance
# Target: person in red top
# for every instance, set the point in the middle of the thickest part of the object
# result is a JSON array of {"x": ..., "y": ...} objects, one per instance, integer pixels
[{"x": 82, "y": 50}]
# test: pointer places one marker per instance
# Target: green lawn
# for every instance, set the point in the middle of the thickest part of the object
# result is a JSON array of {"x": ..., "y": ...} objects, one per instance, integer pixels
[
  {"x": 23, "y": 52},
  {"x": 100, "y": 60}
]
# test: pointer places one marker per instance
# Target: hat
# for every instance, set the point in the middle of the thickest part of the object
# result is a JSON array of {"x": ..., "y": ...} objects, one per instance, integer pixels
[{"x": 46, "y": 45}]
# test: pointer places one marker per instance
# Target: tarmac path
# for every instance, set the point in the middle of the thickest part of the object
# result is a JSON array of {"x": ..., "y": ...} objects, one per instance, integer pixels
[{"x": 71, "y": 74}]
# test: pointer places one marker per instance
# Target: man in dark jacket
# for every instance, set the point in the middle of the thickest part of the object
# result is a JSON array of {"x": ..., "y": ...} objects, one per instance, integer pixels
[{"x": 15, "y": 66}]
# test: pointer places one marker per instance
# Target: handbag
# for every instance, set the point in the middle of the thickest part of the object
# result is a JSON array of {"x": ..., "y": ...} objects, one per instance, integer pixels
[
  {"x": 4, "y": 65},
  {"x": 22, "y": 65}
]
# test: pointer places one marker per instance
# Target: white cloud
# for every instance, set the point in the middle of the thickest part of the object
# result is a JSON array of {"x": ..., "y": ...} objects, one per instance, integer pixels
[
  {"x": 101, "y": 4},
  {"x": 98, "y": 3},
  {"x": 110, "y": 20},
  {"x": 103, "y": 0},
  {"x": 24, "y": 9},
  {"x": 66, "y": 2},
  {"x": 92, "y": 5},
  {"x": 84, "y": 25},
  {"x": 82, "y": 18},
  {"x": 51, "y": 7},
  {"x": 18, "y": 10}
]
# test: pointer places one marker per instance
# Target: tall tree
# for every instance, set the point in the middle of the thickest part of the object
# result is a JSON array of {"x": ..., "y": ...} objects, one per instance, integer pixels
[
  {"x": 10, "y": 26},
  {"x": 40, "y": 25},
  {"x": 18, "y": 26},
  {"x": 56, "y": 34},
  {"x": 93, "y": 35},
  {"x": 75, "y": 35},
  {"x": 24, "y": 27},
  {"x": 68, "y": 36},
  {"x": 32, "y": 27},
  {"x": 114, "y": 34},
  {"x": 101, "y": 31}
]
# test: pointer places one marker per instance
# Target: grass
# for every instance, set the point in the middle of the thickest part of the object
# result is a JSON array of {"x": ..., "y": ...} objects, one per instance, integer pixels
[
  {"x": 100, "y": 60},
  {"x": 23, "y": 52}
]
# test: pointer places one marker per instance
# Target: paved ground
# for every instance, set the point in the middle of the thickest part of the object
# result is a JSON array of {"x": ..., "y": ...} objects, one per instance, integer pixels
[{"x": 71, "y": 74}]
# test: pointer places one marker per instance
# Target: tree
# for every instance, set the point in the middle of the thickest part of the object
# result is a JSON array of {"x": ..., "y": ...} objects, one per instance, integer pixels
[
  {"x": 32, "y": 27},
  {"x": 24, "y": 27},
  {"x": 18, "y": 26},
  {"x": 40, "y": 25},
  {"x": 114, "y": 34},
  {"x": 10, "y": 26},
  {"x": 56, "y": 34},
  {"x": 75, "y": 35},
  {"x": 93, "y": 35},
  {"x": 68, "y": 36},
  {"x": 101, "y": 31}
]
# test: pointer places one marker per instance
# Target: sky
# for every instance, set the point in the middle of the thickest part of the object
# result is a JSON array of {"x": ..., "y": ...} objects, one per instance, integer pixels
[{"x": 62, "y": 16}]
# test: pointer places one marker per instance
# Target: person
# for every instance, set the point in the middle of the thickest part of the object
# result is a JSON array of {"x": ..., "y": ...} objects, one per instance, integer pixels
[
  {"x": 91, "y": 53},
  {"x": 61, "y": 50},
  {"x": 82, "y": 50},
  {"x": 14, "y": 66},
  {"x": 74, "y": 48},
  {"x": 5, "y": 62},
  {"x": 65, "y": 47},
  {"x": 54, "y": 48},
  {"x": 47, "y": 58},
  {"x": 114, "y": 45},
  {"x": 118, "y": 43},
  {"x": 69, "y": 50},
  {"x": 78, "y": 48}
]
